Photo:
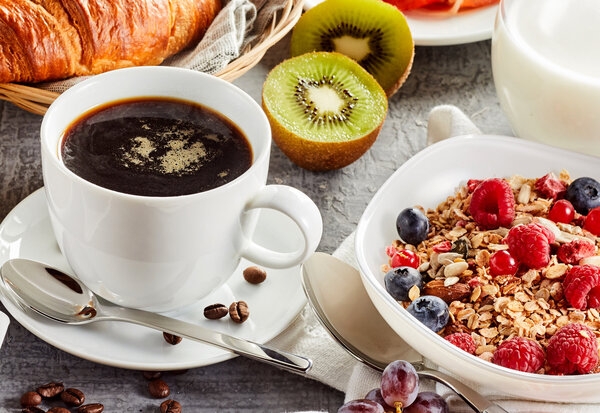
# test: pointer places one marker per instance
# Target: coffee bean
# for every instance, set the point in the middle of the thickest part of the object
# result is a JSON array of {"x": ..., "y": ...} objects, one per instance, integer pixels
[
  {"x": 254, "y": 275},
  {"x": 238, "y": 311},
  {"x": 30, "y": 399},
  {"x": 91, "y": 408},
  {"x": 215, "y": 311},
  {"x": 172, "y": 338},
  {"x": 72, "y": 397},
  {"x": 58, "y": 410},
  {"x": 152, "y": 375},
  {"x": 32, "y": 409},
  {"x": 50, "y": 390},
  {"x": 158, "y": 389},
  {"x": 170, "y": 406}
]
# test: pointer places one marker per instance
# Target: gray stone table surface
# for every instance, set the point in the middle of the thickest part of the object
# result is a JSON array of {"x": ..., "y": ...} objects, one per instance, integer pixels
[{"x": 459, "y": 75}]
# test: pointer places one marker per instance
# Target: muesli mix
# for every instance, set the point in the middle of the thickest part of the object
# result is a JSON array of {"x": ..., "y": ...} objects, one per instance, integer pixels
[{"x": 508, "y": 270}]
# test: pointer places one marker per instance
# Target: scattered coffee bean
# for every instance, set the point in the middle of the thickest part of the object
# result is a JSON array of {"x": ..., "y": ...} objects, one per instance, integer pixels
[
  {"x": 215, "y": 311},
  {"x": 170, "y": 406},
  {"x": 158, "y": 389},
  {"x": 152, "y": 375},
  {"x": 58, "y": 410},
  {"x": 238, "y": 311},
  {"x": 32, "y": 409},
  {"x": 72, "y": 397},
  {"x": 91, "y": 408},
  {"x": 50, "y": 390},
  {"x": 172, "y": 338},
  {"x": 30, "y": 399},
  {"x": 255, "y": 275}
]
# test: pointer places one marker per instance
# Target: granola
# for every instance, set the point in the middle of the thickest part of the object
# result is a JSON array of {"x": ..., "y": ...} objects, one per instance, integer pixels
[{"x": 493, "y": 309}]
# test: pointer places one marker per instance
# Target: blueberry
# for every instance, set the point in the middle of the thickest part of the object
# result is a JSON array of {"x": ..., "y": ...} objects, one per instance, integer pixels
[
  {"x": 431, "y": 311},
  {"x": 412, "y": 226},
  {"x": 584, "y": 194},
  {"x": 399, "y": 280}
]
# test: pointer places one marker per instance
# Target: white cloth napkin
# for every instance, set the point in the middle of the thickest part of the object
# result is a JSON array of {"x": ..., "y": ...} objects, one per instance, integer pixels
[{"x": 333, "y": 366}]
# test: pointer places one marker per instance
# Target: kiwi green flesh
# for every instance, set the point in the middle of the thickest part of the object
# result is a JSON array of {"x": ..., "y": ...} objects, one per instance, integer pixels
[
  {"x": 371, "y": 32},
  {"x": 324, "y": 97}
]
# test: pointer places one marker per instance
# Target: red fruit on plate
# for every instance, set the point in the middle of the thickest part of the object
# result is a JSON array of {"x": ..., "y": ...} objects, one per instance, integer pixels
[
  {"x": 410, "y": 4},
  {"x": 562, "y": 211},
  {"x": 493, "y": 204},
  {"x": 463, "y": 341},
  {"x": 442, "y": 246},
  {"x": 581, "y": 286},
  {"x": 405, "y": 258}
]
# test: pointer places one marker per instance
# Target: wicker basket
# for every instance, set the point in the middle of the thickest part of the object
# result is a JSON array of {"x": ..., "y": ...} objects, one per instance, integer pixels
[{"x": 37, "y": 100}]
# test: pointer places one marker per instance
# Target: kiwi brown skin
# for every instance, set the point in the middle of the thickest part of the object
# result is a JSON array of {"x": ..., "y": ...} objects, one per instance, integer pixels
[
  {"x": 390, "y": 91},
  {"x": 319, "y": 156}
]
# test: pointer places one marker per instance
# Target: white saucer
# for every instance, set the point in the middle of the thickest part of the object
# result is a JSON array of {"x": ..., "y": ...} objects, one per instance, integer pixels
[{"x": 274, "y": 304}]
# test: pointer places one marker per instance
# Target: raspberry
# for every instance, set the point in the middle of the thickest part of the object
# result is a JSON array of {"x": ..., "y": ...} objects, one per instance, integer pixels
[
  {"x": 592, "y": 221},
  {"x": 575, "y": 250},
  {"x": 550, "y": 187},
  {"x": 463, "y": 341},
  {"x": 519, "y": 353},
  {"x": 573, "y": 349},
  {"x": 493, "y": 204},
  {"x": 578, "y": 283},
  {"x": 530, "y": 244},
  {"x": 442, "y": 247},
  {"x": 562, "y": 211}
]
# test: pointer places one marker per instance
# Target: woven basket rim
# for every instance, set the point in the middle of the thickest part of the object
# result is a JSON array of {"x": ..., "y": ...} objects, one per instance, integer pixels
[{"x": 37, "y": 100}]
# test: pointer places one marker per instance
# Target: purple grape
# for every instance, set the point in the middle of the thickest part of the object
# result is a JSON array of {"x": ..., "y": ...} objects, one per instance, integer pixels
[
  {"x": 399, "y": 384},
  {"x": 428, "y": 402},
  {"x": 376, "y": 396},
  {"x": 361, "y": 406}
]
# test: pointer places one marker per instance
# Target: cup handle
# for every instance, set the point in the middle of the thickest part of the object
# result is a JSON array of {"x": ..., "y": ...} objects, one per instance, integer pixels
[{"x": 301, "y": 209}]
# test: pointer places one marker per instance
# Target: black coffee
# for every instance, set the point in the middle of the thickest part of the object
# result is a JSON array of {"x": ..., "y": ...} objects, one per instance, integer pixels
[{"x": 155, "y": 147}]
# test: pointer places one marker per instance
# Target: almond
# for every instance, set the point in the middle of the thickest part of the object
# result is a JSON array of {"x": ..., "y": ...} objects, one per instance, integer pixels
[{"x": 451, "y": 293}]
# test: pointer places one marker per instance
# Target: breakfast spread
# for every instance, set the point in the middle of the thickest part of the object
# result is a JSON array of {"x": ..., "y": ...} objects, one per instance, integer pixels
[
  {"x": 59, "y": 39},
  {"x": 507, "y": 270}
]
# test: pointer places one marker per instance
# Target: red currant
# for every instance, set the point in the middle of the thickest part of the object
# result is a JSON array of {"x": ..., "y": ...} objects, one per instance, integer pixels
[
  {"x": 405, "y": 258},
  {"x": 592, "y": 221},
  {"x": 562, "y": 211},
  {"x": 502, "y": 263}
]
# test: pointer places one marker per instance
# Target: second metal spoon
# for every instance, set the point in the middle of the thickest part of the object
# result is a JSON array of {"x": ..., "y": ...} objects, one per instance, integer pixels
[{"x": 336, "y": 294}]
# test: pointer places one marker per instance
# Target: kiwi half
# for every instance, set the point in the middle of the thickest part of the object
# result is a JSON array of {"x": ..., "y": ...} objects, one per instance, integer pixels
[
  {"x": 372, "y": 32},
  {"x": 325, "y": 110}
]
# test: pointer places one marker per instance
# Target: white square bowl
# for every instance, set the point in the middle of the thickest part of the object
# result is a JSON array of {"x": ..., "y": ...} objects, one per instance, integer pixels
[{"x": 427, "y": 179}]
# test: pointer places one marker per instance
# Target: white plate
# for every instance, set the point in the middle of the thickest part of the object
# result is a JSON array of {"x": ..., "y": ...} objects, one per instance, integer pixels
[
  {"x": 26, "y": 233},
  {"x": 427, "y": 179},
  {"x": 427, "y": 29}
]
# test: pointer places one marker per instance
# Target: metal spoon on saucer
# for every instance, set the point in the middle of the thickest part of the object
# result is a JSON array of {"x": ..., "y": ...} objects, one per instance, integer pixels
[
  {"x": 338, "y": 298},
  {"x": 56, "y": 295}
]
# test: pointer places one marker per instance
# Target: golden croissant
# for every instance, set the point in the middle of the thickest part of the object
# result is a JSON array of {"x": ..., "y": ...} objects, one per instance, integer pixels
[{"x": 54, "y": 39}]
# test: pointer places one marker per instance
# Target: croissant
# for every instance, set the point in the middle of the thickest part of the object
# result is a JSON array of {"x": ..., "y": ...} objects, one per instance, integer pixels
[{"x": 54, "y": 39}]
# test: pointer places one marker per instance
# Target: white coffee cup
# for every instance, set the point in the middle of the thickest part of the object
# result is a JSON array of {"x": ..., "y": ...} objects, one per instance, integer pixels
[{"x": 164, "y": 253}]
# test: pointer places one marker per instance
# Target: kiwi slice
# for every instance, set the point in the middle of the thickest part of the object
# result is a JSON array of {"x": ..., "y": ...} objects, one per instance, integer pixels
[
  {"x": 325, "y": 110},
  {"x": 372, "y": 32}
]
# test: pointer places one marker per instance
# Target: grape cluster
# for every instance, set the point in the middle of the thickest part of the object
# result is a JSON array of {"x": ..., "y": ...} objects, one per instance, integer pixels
[{"x": 399, "y": 392}]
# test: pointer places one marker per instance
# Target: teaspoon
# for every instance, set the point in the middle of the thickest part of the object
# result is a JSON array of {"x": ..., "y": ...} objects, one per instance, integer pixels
[
  {"x": 338, "y": 298},
  {"x": 60, "y": 297}
]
